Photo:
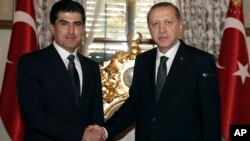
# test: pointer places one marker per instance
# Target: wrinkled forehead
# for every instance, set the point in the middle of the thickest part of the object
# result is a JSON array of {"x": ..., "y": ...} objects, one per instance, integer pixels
[
  {"x": 168, "y": 8},
  {"x": 162, "y": 13}
]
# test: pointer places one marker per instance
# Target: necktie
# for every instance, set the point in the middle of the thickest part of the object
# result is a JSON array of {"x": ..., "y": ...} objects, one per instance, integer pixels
[
  {"x": 161, "y": 76},
  {"x": 74, "y": 79}
]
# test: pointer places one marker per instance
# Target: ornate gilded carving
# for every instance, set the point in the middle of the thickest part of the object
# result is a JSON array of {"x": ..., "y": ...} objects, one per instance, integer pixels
[{"x": 116, "y": 75}]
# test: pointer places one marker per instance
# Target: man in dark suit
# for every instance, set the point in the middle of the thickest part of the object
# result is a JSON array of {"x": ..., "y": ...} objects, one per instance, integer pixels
[
  {"x": 53, "y": 108},
  {"x": 187, "y": 107}
]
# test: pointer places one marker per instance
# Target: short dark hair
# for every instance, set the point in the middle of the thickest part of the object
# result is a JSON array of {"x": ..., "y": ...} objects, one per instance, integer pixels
[
  {"x": 66, "y": 6},
  {"x": 165, "y": 4}
]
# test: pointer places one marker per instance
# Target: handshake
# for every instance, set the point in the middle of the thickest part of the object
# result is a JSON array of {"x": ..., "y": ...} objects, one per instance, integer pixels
[{"x": 94, "y": 133}]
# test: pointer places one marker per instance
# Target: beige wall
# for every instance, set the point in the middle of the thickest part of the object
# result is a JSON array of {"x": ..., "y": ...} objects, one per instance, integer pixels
[{"x": 4, "y": 44}]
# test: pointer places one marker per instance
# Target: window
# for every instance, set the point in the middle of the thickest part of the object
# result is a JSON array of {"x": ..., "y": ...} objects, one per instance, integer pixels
[{"x": 116, "y": 20}]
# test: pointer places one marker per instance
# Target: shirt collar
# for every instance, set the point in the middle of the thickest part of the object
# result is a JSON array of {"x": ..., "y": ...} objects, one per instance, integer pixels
[
  {"x": 170, "y": 53},
  {"x": 62, "y": 52}
]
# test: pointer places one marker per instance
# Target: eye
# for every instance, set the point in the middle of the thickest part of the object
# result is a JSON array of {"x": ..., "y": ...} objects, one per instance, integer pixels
[
  {"x": 79, "y": 24},
  {"x": 63, "y": 23},
  {"x": 154, "y": 24},
  {"x": 168, "y": 22}
]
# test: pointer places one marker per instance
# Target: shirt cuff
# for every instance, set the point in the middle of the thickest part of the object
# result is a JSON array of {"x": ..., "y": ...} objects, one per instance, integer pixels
[{"x": 106, "y": 132}]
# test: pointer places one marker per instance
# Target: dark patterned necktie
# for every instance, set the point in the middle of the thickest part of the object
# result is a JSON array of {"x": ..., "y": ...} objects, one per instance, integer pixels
[
  {"x": 161, "y": 76},
  {"x": 74, "y": 79}
]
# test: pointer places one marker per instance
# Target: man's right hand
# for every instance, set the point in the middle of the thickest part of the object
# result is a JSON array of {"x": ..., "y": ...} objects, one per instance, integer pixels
[{"x": 94, "y": 133}]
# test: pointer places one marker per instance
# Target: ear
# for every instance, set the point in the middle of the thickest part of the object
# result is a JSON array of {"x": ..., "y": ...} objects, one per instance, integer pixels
[
  {"x": 52, "y": 29},
  {"x": 181, "y": 26}
]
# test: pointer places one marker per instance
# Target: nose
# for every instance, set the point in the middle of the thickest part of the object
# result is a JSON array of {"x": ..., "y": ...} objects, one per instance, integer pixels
[
  {"x": 71, "y": 28},
  {"x": 162, "y": 28}
]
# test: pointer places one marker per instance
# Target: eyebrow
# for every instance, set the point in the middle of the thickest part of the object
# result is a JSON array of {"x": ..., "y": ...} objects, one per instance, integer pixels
[
  {"x": 60, "y": 21},
  {"x": 69, "y": 22}
]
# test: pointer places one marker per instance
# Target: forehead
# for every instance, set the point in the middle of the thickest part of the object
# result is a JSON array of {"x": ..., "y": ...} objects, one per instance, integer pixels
[
  {"x": 68, "y": 15},
  {"x": 162, "y": 12}
]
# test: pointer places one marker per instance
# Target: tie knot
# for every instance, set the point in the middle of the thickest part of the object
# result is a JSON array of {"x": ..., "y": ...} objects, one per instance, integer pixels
[
  {"x": 71, "y": 57},
  {"x": 163, "y": 59}
]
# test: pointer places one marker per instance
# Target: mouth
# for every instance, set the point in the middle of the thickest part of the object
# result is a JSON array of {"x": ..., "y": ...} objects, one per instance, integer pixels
[
  {"x": 70, "y": 38},
  {"x": 163, "y": 38}
]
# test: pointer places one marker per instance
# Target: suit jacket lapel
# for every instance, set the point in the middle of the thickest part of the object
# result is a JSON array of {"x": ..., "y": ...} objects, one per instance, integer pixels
[
  {"x": 56, "y": 63},
  {"x": 151, "y": 64},
  {"x": 178, "y": 63},
  {"x": 85, "y": 75}
]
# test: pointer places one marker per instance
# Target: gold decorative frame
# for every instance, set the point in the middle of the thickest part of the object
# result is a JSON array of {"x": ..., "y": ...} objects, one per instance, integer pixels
[
  {"x": 7, "y": 9},
  {"x": 116, "y": 75}
]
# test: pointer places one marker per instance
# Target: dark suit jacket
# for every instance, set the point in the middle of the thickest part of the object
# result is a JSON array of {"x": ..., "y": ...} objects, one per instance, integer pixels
[
  {"x": 188, "y": 108},
  {"x": 46, "y": 98}
]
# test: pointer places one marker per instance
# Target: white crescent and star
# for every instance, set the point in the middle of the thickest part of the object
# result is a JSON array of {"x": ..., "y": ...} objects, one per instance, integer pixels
[
  {"x": 21, "y": 16},
  {"x": 232, "y": 23},
  {"x": 235, "y": 23},
  {"x": 243, "y": 70}
]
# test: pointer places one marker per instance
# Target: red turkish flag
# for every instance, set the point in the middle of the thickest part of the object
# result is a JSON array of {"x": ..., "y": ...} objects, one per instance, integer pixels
[
  {"x": 233, "y": 71},
  {"x": 23, "y": 40}
]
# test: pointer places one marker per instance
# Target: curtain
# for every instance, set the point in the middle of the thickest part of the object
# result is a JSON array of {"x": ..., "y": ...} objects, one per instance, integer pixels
[
  {"x": 99, "y": 6},
  {"x": 42, "y": 17},
  {"x": 203, "y": 23}
]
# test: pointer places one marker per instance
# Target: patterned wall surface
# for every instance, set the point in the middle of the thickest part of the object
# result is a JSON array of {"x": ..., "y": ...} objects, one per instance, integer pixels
[{"x": 203, "y": 23}]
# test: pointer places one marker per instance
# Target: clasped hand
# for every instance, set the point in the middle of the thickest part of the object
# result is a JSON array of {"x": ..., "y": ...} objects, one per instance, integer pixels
[{"x": 94, "y": 133}]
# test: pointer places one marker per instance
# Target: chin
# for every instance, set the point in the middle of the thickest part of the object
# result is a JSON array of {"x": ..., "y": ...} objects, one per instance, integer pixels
[{"x": 164, "y": 45}]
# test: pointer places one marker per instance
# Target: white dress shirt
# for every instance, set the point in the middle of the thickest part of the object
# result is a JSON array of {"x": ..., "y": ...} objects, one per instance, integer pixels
[
  {"x": 64, "y": 54},
  {"x": 170, "y": 54}
]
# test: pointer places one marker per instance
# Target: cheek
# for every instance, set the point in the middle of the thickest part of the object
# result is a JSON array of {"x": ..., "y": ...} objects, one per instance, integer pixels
[
  {"x": 177, "y": 32},
  {"x": 154, "y": 33},
  {"x": 172, "y": 31},
  {"x": 79, "y": 32},
  {"x": 59, "y": 32}
]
